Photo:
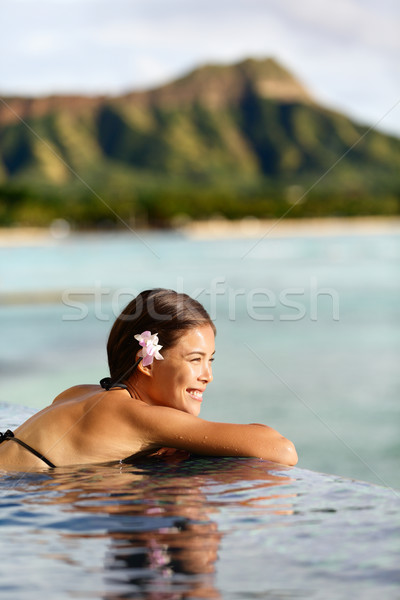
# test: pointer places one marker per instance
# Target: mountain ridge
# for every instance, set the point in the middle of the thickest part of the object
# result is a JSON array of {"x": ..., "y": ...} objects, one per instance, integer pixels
[
  {"x": 218, "y": 85},
  {"x": 237, "y": 137},
  {"x": 273, "y": 81}
]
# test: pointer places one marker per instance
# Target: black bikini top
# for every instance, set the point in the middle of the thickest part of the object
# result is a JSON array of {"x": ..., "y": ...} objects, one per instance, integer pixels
[
  {"x": 107, "y": 384},
  {"x": 9, "y": 435}
]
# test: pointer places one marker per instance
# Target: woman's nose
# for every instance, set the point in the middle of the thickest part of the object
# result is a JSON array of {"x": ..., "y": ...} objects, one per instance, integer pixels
[{"x": 206, "y": 374}]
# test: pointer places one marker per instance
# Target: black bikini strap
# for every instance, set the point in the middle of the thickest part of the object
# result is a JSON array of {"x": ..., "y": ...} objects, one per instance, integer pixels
[
  {"x": 107, "y": 384},
  {"x": 9, "y": 435}
]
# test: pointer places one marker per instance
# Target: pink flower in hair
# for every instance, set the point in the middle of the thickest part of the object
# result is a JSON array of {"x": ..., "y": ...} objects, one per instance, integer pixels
[{"x": 150, "y": 347}]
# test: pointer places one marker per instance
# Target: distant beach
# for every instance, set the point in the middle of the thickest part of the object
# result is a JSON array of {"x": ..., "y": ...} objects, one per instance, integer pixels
[
  {"x": 254, "y": 228},
  {"x": 25, "y": 236},
  {"x": 220, "y": 228}
]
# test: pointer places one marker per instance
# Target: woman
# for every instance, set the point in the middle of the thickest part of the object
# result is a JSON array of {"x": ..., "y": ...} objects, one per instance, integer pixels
[{"x": 151, "y": 400}]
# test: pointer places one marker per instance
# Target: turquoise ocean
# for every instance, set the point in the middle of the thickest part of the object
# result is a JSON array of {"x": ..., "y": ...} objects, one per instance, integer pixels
[{"x": 308, "y": 331}]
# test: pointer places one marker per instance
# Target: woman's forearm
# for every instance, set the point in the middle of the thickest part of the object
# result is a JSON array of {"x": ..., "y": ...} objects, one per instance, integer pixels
[
  {"x": 173, "y": 428},
  {"x": 268, "y": 444}
]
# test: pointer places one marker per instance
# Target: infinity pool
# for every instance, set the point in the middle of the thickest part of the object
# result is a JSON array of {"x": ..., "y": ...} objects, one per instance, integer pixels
[{"x": 197, "y": 528}]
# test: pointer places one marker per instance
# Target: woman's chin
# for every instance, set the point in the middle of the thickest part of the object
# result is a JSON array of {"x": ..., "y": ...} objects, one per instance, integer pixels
[{"x": 194, "y": 410}]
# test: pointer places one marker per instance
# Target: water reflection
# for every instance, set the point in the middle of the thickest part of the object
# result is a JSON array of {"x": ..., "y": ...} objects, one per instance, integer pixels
[{"x": 159, "y": 519}]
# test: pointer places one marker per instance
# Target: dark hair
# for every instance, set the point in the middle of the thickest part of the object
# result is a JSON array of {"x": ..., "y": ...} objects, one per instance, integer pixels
[{"x": 160, "y": 311}]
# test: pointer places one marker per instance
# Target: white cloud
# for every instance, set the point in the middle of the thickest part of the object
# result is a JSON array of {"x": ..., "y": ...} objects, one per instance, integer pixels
[{"x": 41, "y": 45}]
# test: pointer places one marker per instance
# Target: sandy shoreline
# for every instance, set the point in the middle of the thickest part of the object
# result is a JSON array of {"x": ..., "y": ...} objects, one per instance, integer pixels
[
  {"x": 25, "y": 236},
  {"x": 224, "y": 229},
  {"x": 258, "y": 228}
]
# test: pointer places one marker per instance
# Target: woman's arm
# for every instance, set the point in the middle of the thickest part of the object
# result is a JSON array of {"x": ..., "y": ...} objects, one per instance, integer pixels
[{"x": 162, "y": 426}]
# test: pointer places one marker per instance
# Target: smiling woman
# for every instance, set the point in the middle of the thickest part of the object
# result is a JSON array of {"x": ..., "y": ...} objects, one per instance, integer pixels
[{"x": 160, "y": 353}]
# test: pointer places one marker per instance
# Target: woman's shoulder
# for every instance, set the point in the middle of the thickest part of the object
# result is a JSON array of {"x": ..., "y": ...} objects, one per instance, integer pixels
[{"x": 77, "y": 392}]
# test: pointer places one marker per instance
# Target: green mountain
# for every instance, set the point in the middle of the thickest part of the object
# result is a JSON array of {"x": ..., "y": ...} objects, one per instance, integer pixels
[{"x": 245, "y": 139}]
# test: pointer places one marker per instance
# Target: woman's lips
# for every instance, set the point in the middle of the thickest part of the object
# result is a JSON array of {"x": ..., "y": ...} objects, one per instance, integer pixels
[{"x": 195, "y": 394}]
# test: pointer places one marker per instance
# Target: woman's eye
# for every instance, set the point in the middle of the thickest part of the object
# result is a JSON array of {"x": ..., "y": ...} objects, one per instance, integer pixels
[{"x": 195, "y": 360}]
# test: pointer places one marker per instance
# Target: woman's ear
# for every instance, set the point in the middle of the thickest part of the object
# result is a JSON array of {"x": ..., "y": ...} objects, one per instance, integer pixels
[{"x": 148, "y": 371}]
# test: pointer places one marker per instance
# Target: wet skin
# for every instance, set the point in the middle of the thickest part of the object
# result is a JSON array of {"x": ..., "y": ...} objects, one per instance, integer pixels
[{"x": 88, "y": 425}]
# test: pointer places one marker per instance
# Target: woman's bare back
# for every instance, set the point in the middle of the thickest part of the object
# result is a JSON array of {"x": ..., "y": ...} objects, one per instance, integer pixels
[{"x": 84, "y": 424}]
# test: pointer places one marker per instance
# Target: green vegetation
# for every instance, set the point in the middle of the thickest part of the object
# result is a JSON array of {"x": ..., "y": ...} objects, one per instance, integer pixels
[{"x": 211, "y": 143}]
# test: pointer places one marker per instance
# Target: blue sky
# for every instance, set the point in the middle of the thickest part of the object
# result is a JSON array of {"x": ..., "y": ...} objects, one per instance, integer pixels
[{"x": 347, "y": 52}]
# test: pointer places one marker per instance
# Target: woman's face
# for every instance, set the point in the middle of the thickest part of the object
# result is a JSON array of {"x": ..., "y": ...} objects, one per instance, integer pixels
[{"x": 180, "y": 379}]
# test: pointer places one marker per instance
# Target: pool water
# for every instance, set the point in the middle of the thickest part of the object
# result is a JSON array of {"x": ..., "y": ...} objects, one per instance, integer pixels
[{"x": 191, "y": 527}]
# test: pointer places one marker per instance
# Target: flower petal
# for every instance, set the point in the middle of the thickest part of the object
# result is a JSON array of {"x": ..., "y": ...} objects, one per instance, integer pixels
[
  {"x": 147, "y": 361},
  {"x": 150, "y": 347}
]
